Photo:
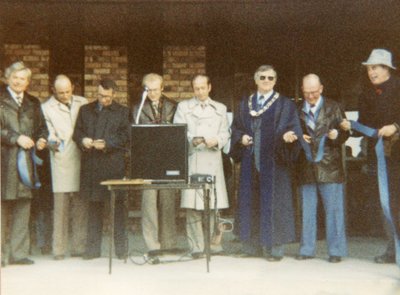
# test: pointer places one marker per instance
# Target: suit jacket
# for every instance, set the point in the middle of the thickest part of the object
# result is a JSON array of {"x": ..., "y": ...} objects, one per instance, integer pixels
[
  {"x": 15, "y": 121},
  {"x": 112, "y": 125},
  {"x": 65, "y": 163},
  {"x": 167, "y": 110}
]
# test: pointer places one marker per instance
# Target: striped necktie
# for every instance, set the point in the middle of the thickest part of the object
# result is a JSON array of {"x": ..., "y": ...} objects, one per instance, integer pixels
[{"x": 311, "y": 120}]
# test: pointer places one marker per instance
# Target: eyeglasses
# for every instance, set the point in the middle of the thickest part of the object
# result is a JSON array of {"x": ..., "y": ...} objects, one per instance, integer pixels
[{"x": 270, "y": 78}]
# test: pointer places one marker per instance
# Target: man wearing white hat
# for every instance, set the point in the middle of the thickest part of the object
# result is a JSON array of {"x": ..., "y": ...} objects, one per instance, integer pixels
[{"x": 379, "y": 108}]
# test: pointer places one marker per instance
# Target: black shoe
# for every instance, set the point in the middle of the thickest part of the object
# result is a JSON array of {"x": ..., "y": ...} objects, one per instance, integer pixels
[
  {"x": 59, "y": 257},
  {"x": 385, "y": 259},
  {"x": 245, "y": 255},
  {"x": 197, "y": 255},
  {"x": 152, "y": 258},
  {"x": 23, "y": 261},
  {"x": 88, "y": 256},
  {"x": 273, "y": 258},
  {"x": 334, "y": 259},
  {"x": 303, "y": 257},
  {"x": 76, "y": 255},
  {"x": 45, "y": 250},
  {"x": 122, "y": 257},
  {"x": 155, "y": 252}
]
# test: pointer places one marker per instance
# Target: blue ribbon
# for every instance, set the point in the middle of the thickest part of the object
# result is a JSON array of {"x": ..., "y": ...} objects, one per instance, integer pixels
[
  {"x": 382, "y": 180},
  {"x": 23, "y": 168},
  {"x": 307, "y": 150}
]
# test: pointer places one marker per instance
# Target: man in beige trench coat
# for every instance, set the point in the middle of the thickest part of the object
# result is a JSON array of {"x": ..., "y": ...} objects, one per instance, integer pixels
[
  {"x": 208, "y": 132},
  {"x": 60, "y": 112}
]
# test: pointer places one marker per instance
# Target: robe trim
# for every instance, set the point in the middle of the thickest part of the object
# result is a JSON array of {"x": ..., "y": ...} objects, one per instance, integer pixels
[{"x": 254, "y": 113}]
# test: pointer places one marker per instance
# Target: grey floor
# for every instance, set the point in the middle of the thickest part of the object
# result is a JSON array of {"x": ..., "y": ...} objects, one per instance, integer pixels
[{"x": 177, "y": 274}]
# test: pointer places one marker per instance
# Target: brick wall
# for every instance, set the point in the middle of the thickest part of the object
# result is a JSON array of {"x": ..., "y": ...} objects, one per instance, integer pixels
[
  {"x": 37, "y": 59},
  {"x": 106, "y": 62},
  {"x": 180, "y": 64}
]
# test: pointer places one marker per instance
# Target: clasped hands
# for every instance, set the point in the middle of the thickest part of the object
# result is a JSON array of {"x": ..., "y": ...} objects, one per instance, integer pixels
[
  {"x": 290, "y": 136},
  {"x": 27, "y": 143},
  {"x": 209, "y": 142},
  {"x": 98, "y": 144}
]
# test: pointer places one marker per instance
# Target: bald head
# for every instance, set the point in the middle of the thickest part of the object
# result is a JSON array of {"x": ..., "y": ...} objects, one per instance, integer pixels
[
  {"x": 63, "y": 89},
  {"x": 312, "y": 88}
]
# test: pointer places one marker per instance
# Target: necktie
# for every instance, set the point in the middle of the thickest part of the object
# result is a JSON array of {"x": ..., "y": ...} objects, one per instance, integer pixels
[
  {"x": 19, "y": 100},
  {"x": 311, "y": 120},
  {"x": 155, "y": 108},
  {"x": 260, "y": 102}
]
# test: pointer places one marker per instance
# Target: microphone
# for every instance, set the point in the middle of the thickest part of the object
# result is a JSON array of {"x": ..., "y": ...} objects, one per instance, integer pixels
[{"x": 144, "y": 95}]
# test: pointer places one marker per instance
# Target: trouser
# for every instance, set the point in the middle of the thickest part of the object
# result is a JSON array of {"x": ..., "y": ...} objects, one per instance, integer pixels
[
  {"x": 333, "y": 201},
  {"x": 394, "y": 191},
  {"x": 254, "y": 245},
  {"x": 164, "y": 217},
  {"x": 15, "y": 241},
  {"x": 95, "y": 228},
  {"x": 42, "y": 218},
  {"x": 194, "y": 230},
  {"x": 69, "y": 207}
]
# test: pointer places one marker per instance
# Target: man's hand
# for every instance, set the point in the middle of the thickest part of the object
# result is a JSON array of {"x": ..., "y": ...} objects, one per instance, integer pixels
[
  {"x": 333, "y": 134},
  {"x": 387, "y": 131},
  {"x": 25, "y": 142},
  {"x": 198, "y": 140},
  {"x": 345, "y": 125},
  {"x": 99, "y": 144},
  {"x": 289, "y": 137},
  {"x": 87, "y": 142},
  {"x": 247, "y": 140},
  {"x": 41, "y": 144},
  {"x": 211, "y": 142},
  {"x": 307, "y": 138}
]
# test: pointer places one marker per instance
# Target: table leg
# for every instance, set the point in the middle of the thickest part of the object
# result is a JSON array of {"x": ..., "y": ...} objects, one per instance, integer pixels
[
  {"x": 112, "y": 220},
  {"x": 207, "y": 225}
]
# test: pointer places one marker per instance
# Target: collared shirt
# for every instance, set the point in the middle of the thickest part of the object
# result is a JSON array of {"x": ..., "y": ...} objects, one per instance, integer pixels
[
  {"x": 15, "y": 95},
  {"x": 265, "y": 97},
  {"x": 204, "y": 103},
  {"x": 313, "y": 108}
]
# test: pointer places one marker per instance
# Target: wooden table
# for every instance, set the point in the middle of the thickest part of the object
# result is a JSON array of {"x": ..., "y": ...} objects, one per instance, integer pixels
[{"x": 114, "y": 185}]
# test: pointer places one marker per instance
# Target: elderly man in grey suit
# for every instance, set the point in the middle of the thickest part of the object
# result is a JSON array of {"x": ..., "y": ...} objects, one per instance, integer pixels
[
  {"x": 22, "y": 127},
  {"x": 60, "y": 112},
  {"x": 157, "y": 109}
]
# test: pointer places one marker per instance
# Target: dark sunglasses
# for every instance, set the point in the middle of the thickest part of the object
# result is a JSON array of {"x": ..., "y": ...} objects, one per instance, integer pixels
[{"x": 270, "y": 78}]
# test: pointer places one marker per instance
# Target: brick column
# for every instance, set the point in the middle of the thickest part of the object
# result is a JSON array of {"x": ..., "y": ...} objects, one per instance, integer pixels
[
  {"x": 37, "y": 59},
  {"x": 180, "y": 65},
  {"x": 106, "y": 62}
]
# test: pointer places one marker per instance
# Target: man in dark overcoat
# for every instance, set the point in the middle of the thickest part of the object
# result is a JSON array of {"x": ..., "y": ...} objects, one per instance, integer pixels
[
  {"x": 263, "y": 130},
  {"x": 101, "y": 131},
  {"x": 379, "y": 108},
  {"x": 22, "y": 128}
]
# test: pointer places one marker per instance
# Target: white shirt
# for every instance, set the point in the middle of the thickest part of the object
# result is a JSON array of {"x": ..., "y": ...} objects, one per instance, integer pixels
[
  {"x": 265, "y": 96},
  {"x": 15, "y": 95}
]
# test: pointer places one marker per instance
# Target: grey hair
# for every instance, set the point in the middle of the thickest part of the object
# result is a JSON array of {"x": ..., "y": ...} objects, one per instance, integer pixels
[
  {"x": 152, "y": 77},
  {"x": 264, "y": 68},
  {"x": 17, "y": 67}
]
